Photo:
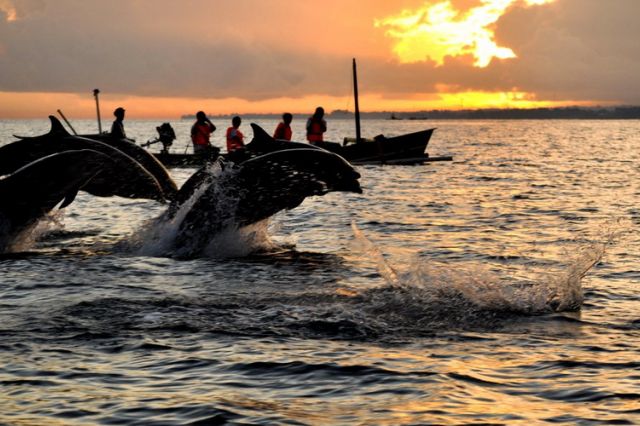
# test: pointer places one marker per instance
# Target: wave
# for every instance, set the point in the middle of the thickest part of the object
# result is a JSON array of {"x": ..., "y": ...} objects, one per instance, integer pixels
[{"x": 425, "y": 298}]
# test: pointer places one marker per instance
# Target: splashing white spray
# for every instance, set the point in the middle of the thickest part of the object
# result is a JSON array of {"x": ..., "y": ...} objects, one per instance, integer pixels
[
  {"x": 157, "y": 237},
  {"x": 435, "y": 285},
  {"x": 27, "y": 239}
]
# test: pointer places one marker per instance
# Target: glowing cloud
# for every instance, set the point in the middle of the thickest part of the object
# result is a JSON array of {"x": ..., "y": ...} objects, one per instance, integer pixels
[
  {"x": 436, "y": 31},
  {"x": 9, "y": 10}
]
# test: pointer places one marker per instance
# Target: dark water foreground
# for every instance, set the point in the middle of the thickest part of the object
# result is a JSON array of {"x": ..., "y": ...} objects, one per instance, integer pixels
[{"x": 463, "y": 293}]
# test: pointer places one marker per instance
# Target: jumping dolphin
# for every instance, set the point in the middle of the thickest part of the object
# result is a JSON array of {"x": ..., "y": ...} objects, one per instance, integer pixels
[
  {"x": 139, "y": 162},
  {"x": 132, "y": 179},
  {"x": 142, "y": 156},
  {"x": 34, "y": 190},
  {"x": 219, "y": 196},
  {"x": 239, "y": 195}
]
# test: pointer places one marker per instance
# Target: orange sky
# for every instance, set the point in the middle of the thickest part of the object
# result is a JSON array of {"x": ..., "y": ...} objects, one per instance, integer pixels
[{"x": 161, "y": 58}]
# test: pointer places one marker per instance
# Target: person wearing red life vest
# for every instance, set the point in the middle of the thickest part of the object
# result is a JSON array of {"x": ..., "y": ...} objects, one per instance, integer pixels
[
  {"x": 316, "y": 126},
  {"x": 283, "y": 131},
  {"x": 201, "y": 133},
  {"x": 235, "y": 138}
]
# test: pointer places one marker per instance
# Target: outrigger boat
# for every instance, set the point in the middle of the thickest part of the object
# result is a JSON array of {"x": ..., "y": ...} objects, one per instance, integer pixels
[
  {"x": 409, "y": 148},
  {"x": 404, "y": 149}
]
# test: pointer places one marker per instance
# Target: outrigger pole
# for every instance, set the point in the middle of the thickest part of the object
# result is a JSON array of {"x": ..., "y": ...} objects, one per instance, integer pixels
[
  {"x": 357, "y": 106},
  {"x": 95, "y": 95},
  {"x": 67, "y": 121}
]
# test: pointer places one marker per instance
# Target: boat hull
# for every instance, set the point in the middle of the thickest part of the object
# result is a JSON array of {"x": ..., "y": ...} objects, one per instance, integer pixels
[
  {"x": 383, "y": 149},
  {"x": 404, "y": 149}
]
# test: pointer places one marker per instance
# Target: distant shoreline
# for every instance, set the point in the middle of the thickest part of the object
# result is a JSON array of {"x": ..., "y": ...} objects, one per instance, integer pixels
[{"x": 568, "y": 113}]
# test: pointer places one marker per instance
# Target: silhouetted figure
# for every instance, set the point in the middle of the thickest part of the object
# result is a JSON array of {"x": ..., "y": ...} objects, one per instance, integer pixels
[
  {"x": 166, "y": 135},
  {"x": 235, "y": 138},
  {"x": 283, "y": 131},
  {"x": 235, "y": 141},
  {"x": 200, "y": 135},
  {"x": 117, "y": 128},
  {"x": 316, "y": 126}
]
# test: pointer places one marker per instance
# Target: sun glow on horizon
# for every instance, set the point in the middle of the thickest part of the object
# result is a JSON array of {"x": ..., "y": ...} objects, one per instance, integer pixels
[
  {"x": 76, "y": 106},
  {"x": 436, "y": 31},
  {"x": 513, "y": 99}
]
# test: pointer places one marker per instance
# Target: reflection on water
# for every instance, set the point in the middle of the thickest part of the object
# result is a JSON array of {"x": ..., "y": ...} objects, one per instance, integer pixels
[{"x": 499, "y": 288}]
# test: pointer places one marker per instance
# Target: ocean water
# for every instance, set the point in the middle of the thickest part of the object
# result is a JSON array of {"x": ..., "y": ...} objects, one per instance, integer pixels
[{"x": 500, "y": 288}]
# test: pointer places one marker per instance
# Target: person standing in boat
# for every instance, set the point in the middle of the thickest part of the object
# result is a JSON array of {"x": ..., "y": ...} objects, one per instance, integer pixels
[
  {"x": 283, "y": 131},
  {"x": 316, "y": 126},
  {"x": 117, "y": 128},
  {"x": 235, "y": 140},
  {"x": 201, "y": 133}
]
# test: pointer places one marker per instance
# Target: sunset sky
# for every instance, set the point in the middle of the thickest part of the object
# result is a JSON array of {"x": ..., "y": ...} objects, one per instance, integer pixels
[{"x": 162, "y": 58}]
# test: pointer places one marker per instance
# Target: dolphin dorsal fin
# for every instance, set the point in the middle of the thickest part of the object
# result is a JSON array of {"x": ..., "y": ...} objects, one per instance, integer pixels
[
  {"x": 259, "y": 133},
  {"x": 57, "y": 127}
]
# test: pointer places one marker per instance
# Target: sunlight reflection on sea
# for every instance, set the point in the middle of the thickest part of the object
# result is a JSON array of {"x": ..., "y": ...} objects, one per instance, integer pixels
[{"x": 457, "y": 299}]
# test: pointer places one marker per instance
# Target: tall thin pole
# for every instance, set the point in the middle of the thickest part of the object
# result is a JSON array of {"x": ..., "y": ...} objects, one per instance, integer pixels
[
  {"x": 67, "y": 121},
  {"x": 95, "y": 94},
  {"x": 357, "y": 105}
]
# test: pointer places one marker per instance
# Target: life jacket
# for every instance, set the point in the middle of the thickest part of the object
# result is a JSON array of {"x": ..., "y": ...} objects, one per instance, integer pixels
[
  {"x": 315, "y": 129},
  {"x": 200, "y": 134},
  {"x": 235, "y": 139},
  {"x": 283, "y": 132}
]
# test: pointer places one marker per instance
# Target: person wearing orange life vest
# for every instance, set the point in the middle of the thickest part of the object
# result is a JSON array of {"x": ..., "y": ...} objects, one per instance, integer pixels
[
  {"x": 283, "y": 131},
  {"x": 316, "y": 126},
  {"x": 200, "y": 134},
  {"x": 235, "y": 138}
]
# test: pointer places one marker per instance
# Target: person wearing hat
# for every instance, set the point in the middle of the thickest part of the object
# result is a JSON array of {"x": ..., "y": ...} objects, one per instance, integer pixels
[
  {"x": 200, "y": 134},
  {"x": 117, "y": 128}
]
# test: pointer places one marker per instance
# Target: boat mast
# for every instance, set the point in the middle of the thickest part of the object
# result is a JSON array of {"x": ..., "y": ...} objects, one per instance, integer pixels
[{"x": 357, "y": 106}]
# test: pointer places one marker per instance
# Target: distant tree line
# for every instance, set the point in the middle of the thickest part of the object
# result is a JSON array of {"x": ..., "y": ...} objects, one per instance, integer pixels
[
  {"x": 582, "y": 113},
  {"x": 566, "y": 113}
]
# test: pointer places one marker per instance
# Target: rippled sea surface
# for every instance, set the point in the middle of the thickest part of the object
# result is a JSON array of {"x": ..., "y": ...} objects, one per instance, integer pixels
[{"x": 500, "y": 288}]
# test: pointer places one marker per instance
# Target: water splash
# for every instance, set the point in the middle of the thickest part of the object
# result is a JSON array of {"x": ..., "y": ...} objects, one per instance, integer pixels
[
  {"x": 433, "y": 289},
  {"x": 27, "y": 238},
  {"x": 157, "y": 237},
  {"x": 427, "y": 298}
]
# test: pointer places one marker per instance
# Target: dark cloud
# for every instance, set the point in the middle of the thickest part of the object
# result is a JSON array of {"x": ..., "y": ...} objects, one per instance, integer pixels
[
  {"x": 572, "y": 49},
  {"x": 575, "y": 49}
]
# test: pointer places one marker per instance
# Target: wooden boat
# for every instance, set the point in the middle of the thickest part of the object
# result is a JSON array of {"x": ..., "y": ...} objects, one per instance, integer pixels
[
  {"x": 168, "y": 159},
  {"x": 404, "y": 149},
  {"x": 361, "y": 155},
  {"x": 409, "y": 148},
  {"x": 382, "y": 149}
]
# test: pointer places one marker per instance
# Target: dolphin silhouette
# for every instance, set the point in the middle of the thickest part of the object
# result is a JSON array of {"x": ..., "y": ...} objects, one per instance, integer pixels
[
  {"x": 138, "y": 165},
  {"x": 32, "y": 191},
  {"x": 218, "y": 196},
  {"x": 239, "y": 195}
]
